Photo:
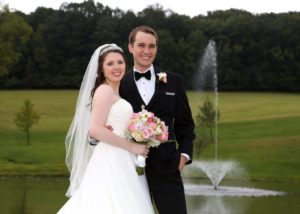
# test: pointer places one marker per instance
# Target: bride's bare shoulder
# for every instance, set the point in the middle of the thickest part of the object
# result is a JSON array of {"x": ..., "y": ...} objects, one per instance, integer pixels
[
  {"x": 104, "y": 89},
  {"x": 106, "y": 94}
]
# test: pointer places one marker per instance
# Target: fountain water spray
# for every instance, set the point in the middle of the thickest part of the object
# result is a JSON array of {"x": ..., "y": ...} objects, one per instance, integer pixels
[
  {"x": 207, "y": 80},
  {"x": 216, "y": 170}
]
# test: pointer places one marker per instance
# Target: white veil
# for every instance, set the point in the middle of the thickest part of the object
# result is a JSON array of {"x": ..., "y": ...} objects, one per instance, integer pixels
[{"x": 78, "y": 149}]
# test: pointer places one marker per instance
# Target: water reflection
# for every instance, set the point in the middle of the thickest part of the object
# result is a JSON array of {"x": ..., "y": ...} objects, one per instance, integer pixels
[{"x": 212, "y": 205}]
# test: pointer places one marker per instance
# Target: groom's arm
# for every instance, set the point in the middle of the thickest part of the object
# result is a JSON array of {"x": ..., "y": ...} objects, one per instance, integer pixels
[{"x": 183, "y": 124}]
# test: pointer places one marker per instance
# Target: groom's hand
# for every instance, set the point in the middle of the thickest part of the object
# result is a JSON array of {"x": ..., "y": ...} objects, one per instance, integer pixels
[{"x": 182, "y": 162}]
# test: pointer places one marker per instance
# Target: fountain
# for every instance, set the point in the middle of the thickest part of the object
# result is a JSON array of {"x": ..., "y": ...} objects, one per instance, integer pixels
[
  {"x": 216, "y": 170},
  {"x": 207, "y": 81}
]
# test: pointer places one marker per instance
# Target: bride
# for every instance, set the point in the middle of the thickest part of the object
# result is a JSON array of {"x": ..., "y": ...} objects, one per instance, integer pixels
[{"x": 103, "y": 177}]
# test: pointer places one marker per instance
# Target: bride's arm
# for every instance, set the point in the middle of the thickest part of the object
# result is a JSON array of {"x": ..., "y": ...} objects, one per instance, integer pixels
[{"x": 103, "y": 100}]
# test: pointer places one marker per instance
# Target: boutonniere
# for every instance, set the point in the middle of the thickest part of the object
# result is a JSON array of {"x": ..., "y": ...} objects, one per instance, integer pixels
[{"x": 162, "y": 76}]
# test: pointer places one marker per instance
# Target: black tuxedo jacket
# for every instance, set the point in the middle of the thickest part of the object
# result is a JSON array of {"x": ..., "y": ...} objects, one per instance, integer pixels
[{"x": 170, "y": 104}]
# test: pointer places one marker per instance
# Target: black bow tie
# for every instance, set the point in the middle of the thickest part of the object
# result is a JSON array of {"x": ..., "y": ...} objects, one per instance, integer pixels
[{"x": 146, "y": 74}]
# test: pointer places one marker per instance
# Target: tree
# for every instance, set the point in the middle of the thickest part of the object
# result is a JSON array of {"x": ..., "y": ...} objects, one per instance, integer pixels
[
  {"x": 26, "y": 118},
  {"x": 206, "y": 120},
  {"x": 14, "y": 35}
]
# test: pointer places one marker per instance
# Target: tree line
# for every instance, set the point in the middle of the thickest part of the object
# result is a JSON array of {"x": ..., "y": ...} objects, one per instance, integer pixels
[{"x": 51, "y": 48}]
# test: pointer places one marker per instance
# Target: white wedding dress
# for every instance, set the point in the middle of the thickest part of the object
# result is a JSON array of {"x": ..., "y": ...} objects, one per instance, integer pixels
[{"x": 110, "y": 184}]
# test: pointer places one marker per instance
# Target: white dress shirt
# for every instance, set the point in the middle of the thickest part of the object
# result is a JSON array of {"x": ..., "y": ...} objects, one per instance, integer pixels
[{"x": 146, "y": 87}]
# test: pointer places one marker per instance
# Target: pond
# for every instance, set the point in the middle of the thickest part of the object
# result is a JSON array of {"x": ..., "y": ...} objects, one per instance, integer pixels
[
  {"x": 247, "y": 198},
  {"x": 36, "y": 195}
]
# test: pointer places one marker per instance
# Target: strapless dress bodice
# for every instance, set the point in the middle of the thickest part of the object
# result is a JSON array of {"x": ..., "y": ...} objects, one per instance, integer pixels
[{"x": 119, "y": 116}]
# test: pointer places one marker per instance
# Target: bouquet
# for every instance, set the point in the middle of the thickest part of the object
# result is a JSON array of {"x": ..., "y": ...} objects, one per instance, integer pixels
[{"x": 146, "y": 129}]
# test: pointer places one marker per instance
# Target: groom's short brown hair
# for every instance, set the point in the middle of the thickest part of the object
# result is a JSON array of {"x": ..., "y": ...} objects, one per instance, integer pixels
[{"x": 142, "y": 28}]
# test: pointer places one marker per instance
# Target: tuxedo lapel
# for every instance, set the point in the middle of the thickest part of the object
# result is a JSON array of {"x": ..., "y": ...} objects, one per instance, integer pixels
[
  {"x": 133, "y": 91},
  {"x": 157, "y": 92}
]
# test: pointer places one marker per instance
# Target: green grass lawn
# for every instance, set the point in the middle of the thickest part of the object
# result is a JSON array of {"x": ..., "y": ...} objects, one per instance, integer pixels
[
  {"x": 259, "y": 130},
  {"x": 45, "y": 155}
]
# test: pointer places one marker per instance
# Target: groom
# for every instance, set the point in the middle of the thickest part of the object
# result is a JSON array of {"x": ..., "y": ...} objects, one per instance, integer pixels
[{"x": 163, "y": 94}]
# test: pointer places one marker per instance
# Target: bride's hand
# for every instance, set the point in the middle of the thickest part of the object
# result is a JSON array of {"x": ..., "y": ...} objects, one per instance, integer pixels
[{"x": 139, "y": 149}]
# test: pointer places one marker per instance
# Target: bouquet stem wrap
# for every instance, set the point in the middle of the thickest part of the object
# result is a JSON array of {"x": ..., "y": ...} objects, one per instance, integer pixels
[{"x": 140, "y": 164}]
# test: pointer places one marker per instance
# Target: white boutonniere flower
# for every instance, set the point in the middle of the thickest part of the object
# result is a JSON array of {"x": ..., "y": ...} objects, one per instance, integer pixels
[{"x": 162, "y": 76}]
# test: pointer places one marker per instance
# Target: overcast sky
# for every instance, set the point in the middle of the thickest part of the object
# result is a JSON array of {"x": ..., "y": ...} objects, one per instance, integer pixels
[{"x": 187, "y": 7}]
